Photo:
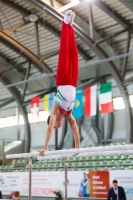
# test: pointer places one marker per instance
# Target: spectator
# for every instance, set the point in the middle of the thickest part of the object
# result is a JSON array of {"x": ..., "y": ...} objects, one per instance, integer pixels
[
  {"x": 0, "y": 195},
  {"x": 11, "y": 195},
  {"x": 16, "y": 195},
  {"x": 116, "y": 192}
]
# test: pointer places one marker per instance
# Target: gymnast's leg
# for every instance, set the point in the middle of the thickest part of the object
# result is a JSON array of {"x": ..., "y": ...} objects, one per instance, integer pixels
[{"x": 67, "y": 70}]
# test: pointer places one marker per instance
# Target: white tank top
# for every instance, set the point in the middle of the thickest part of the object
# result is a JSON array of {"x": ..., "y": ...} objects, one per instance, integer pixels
[{"x": 65, "y": 97}]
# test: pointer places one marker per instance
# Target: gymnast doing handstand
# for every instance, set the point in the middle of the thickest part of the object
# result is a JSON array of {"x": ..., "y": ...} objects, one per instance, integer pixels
[{"x": 66, "y": 80}]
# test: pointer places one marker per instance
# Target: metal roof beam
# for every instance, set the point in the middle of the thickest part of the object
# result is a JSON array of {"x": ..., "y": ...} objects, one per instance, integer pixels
[
  {"x": 128, "y": 4},
  {"x": 49, "y": 55},
  {"x": 117, "y": 17},
  {"x": 37, "y": 39},
  {"x": 7, "y": 102},
  {"x": 19, "y": 48},
  {"x": 90, "y": 82},
  {"x": 26, "y": 78},
  {"x": 14, "y": 75},
  {"x": 110, "y": 36},
  {"x": 91, "y": 24},
  {"x": 1, "y": 27},
  {"x": 15, "y": 28},
  {"x": 12, "y": 67},
  {"x": 41, "y": 22},
  {"x": 126, "y": 51},
  {"x": 51, "y": 3}
]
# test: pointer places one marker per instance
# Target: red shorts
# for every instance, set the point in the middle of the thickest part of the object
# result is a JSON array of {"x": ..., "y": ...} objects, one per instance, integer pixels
[{"x": 63, "y": 111}]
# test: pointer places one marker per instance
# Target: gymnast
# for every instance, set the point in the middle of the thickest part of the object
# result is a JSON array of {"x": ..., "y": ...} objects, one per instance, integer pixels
[{"x": 66, "y": 80}]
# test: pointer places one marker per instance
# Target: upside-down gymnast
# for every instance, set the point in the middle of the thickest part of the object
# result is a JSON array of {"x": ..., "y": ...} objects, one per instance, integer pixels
[{"x": 66, "y": 80}]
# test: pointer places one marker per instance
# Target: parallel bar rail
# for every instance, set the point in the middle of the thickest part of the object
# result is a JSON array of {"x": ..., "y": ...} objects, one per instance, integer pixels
[{"x": 75, "y": 151}]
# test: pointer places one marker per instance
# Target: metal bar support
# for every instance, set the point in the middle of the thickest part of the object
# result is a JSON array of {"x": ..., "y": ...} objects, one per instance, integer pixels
[
  {"x": 107, "y": 60},
  {"x": 16, "y": 27},
  {"x": 56, "y": 139},
  {"x": 110, "y": 36},
  {"x": 30, "y": 178},
  {"x": 91, "y": 21},
  {"x": 3, "y": 153},
  {"x": 49, "y": 55},
  {"x": 65, "y": 168},
  {"x": 26, "y": 78},
  {"x": 6, "y": 102},
  {"x": 1, "y": 27},
  {"x": 37, "y": 39},
  {"x": 51, "y": 3},
  {"x": 126, "y": 58},
  {"x": 18, "y": 126},
  {"x": 112, "y": 13}
]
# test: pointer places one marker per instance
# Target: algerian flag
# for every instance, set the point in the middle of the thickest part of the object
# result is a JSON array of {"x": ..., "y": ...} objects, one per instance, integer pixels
[
  {"x": 106, "y": 105},
  {"x": 90, "y": 100}
]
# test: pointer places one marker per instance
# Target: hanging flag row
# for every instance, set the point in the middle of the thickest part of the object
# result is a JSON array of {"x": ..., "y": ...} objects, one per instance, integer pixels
[{"x": 91, "y": 98}]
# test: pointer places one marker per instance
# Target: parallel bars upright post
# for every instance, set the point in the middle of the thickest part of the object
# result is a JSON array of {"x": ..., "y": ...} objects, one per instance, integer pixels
[
  {"x": 65, "y": 168},
  {"x": 30, "y": 178}
]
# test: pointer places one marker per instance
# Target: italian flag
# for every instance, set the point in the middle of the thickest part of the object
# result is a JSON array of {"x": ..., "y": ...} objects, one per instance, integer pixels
[
  {"x": 106, "y": 105},
  {"x": 90, "y": 100}
]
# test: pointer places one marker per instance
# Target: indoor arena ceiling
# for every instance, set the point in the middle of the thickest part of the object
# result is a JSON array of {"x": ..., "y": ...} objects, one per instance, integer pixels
[{"x": 112, "y": 19}]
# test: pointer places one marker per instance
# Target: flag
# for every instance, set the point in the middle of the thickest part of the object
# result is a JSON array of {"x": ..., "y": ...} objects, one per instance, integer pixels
[
  {"x": 90, "y": 100},
  {"x": 78, "y": 110},
  {"x": 48, "y": 102},
  {"x": 35, "y": 105},
  {"x": 106, "y": 105}
]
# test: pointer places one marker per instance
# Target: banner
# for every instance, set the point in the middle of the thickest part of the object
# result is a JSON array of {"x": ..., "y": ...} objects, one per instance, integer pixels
[
  {"x": 43, "y": 183},
  {"x": 93, "y": 184}
]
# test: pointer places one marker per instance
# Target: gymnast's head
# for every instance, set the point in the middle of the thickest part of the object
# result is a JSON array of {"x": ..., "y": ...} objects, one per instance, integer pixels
[{"x": 58, "y": 123}]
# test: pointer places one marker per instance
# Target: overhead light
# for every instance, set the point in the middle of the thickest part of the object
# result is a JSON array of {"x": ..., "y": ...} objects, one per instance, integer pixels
[
  {"x": 33, "y": 18},
  {"x": 69, "y": 5}
]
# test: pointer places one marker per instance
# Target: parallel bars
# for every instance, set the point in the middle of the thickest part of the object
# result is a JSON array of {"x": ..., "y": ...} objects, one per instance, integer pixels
[{"x": 62, "y": 154}]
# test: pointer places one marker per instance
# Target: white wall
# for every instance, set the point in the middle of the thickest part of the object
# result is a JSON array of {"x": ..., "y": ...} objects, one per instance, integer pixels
[
  {"x": 38, "y": 133},
  {"x": 119, "y": 129}
]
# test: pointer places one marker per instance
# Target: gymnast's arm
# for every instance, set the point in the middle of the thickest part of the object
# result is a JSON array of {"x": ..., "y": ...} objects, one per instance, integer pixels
[
  {"x": 75, "y": 130},
  {"x": 49, "y": 132}
]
